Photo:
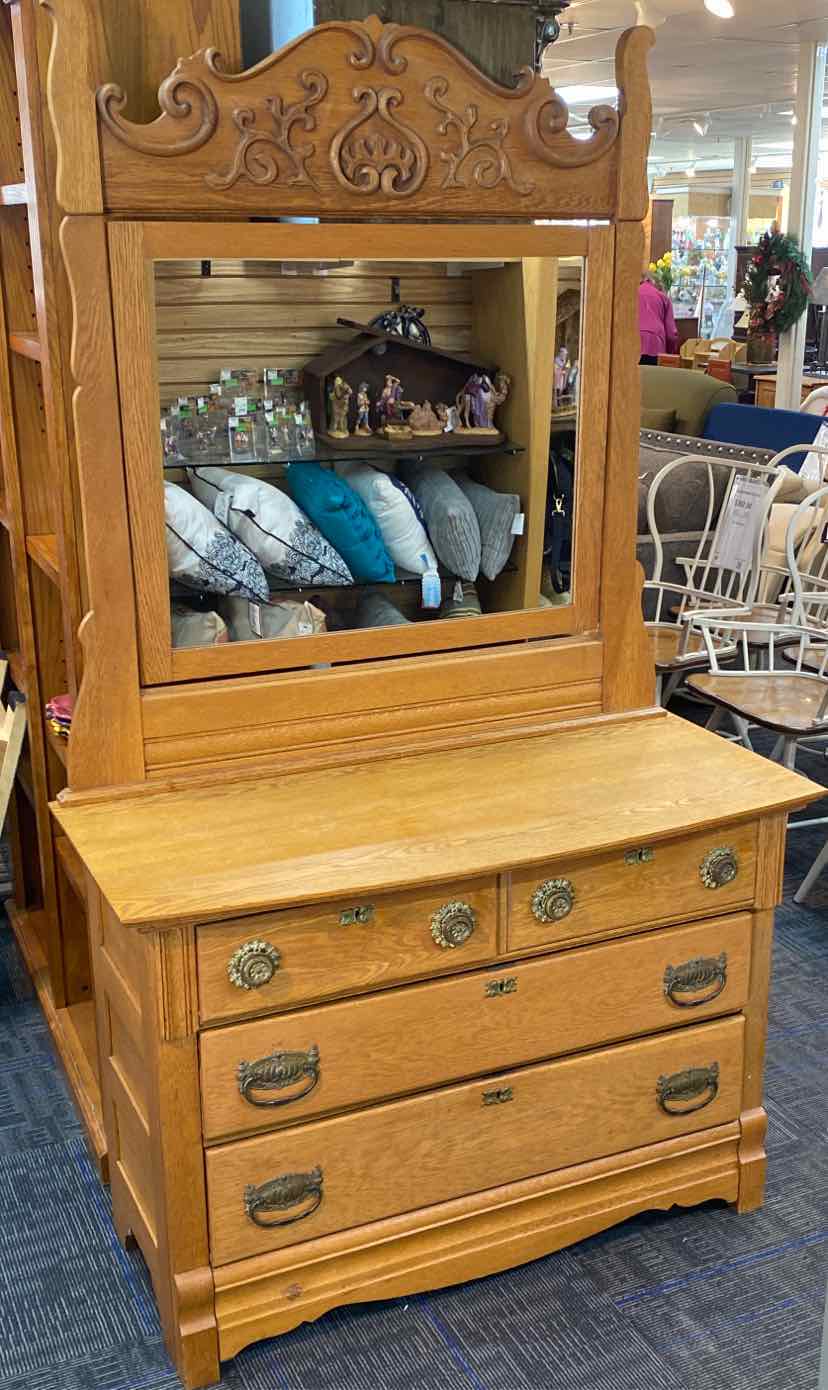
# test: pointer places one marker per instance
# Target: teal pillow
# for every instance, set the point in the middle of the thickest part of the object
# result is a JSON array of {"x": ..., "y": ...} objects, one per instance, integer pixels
[{"x": 344, "y": 520}]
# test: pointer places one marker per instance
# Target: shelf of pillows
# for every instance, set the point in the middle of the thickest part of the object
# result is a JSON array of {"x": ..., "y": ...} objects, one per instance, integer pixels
[{"x": 317, "y": 539}]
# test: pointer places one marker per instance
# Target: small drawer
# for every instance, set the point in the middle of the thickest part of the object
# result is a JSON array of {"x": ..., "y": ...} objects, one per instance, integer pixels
[
  {"x": 572, "y": 900},
  {"x": 283, "y": 959},
  {"x": 331, "y": 1175},
  {"x": 271, "y": 1072}
]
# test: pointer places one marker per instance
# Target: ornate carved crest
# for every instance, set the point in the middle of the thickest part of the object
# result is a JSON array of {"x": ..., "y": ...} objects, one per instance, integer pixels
[{"x": 388, "y": 119}]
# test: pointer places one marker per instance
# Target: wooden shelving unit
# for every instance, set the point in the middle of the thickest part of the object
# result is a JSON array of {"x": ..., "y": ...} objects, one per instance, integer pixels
[{"x": 39, "y": 612}]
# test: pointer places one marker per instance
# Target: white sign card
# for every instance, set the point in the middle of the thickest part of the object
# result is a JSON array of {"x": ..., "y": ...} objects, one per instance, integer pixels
[{"x": 738, "y": 531}]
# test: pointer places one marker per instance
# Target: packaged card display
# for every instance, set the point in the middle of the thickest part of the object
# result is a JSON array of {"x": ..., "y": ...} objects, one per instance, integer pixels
[
  {"x": 239, "y": 381},
  {"x": 275, "y": 377},
  {"x": 242, "y": 439},
  {"x": 279, "y": 440},
  {"x": 204, "y": 436},
  {"x": 169, "y": 440},
  {"x": 303, "y": 432}
]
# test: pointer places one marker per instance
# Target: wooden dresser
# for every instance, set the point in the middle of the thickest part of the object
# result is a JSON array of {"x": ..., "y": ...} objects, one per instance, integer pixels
[{"x": 422, "y": 950}]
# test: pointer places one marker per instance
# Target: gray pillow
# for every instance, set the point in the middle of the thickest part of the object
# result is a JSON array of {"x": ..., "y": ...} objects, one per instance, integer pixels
[
  {"x": 452, "y": 526},
  {"x": 495, "y": 512},
  {"x": 683, "y": 498},
  {"x": 375, "y": 610}
]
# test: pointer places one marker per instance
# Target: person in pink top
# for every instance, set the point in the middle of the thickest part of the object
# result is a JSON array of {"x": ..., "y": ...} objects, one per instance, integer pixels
[{"x": 656, "y": 322}]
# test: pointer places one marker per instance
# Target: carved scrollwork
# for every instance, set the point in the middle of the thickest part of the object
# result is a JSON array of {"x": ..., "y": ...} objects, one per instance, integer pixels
[
  {"x": 479, "y": 157},
  {"x": 394, "y": 63},
  {"x": 545, "y": 126},
  {"x": 181, "y": 96},
  {"x": 374, "y": 152},
  {"x": 255, "y": 158}
]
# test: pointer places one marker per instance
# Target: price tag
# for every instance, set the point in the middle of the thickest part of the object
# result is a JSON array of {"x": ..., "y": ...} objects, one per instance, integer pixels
[
  {"x": 518, "y": 524},
  {"x": 215, "y": 389},
  {"x": 816, "y": 464},
  {"x": 432, "y": 591},
  {"x": 254, "y": 617},
  {"x": 298, "y": 418},
  {"x": 739, "y": 527},
  {"x": 240, "y": 405},
  {"x": 221, "y": 507}
]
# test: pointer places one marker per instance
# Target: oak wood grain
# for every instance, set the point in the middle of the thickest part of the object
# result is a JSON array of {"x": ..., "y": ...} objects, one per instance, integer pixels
[
  {"x": 470, "y": 1237},
  {"x": 609, "y": 893},
  {"x": 429, "y": 1034},
  {"x": 391, "y": 822},
  {"x": 321, "y": 956},
  {"x": 432, "y": 1148}
]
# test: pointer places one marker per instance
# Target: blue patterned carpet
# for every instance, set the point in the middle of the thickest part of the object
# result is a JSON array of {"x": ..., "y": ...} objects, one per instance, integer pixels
[{"x": 697, "y": 1300}]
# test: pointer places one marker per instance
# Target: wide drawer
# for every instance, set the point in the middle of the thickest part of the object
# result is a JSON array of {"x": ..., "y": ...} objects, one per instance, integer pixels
[
  {"x": 278, "y": 1071},
  {"x": 282, "y": 959},
  {"x": 278, "y": 1189},
  {"x": 568, "y": 900}
]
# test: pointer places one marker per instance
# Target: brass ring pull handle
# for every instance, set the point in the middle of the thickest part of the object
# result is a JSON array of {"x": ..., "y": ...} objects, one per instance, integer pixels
[
  {"x": 280, "y": 1194},
  {"x": 688, "y": 1091},
  {"x": 254, "y": 964},
  {"x": 705, "y": 977},
  {"x": 720, "y": 867},
  {"x": 276, "y": 1073},
  {"x": 553, "y": 900},
  {"x": 452, "y": 924}
]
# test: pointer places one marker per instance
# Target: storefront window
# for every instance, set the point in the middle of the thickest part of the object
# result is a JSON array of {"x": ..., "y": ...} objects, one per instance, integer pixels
[{"x": 701, "y": 246}]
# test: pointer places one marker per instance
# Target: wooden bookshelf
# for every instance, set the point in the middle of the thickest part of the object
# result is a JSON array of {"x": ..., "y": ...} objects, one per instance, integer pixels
[{"x": 43, "y": 593}]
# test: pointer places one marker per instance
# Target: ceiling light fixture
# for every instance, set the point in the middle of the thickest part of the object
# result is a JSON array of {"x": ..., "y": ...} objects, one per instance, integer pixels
[
  {"x": 691, "y": 171},
  {"x": 722, "y": 9}
]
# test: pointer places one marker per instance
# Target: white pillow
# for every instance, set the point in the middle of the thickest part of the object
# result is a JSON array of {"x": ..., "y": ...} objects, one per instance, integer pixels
[
  {"x": 290, "y": 618},
  {"x": 404, "y": 535},
  {"x": 202, "y": 554},
  {"x": 193, "y": 629},
  {"x": 282, "y": 538}
]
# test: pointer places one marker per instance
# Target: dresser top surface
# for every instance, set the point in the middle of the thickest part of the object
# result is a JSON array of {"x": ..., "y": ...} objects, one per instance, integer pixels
[{"x": 237, "y": 847}]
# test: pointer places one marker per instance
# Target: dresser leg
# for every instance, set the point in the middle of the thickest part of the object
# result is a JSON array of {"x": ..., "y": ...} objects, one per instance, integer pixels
[
  {"x": 195, "y": 1335},
  {"x": 753, "y": 1161}
]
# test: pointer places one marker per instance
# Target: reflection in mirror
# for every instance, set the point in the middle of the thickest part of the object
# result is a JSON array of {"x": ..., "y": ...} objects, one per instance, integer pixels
[{"x": 365, "y": 444}]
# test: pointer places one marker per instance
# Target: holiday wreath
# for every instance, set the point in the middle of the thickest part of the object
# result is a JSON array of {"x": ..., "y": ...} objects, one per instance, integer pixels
[{"x": 777, "y": 284}]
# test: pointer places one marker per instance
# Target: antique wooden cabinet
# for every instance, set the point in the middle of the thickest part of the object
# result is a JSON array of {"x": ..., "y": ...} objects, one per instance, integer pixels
[{"x": 423, "y": 949}]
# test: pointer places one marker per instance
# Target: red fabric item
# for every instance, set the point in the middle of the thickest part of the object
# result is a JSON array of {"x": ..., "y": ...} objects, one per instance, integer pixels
[{"x": 656, "y": 322}]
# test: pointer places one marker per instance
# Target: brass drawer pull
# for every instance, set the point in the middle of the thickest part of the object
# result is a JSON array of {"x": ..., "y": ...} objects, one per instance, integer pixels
[
  {"x": 496, "y": 988},
  {"x": 500, "y": 1097},
  {"x": 553, "y": 900},
  {"x": 357, "y": 915},
  {"x": 639, "y": 856},
  {"x": 720, "y": 867},
  {"x": 254, "y": 964},
  {"x": 452, "y": 924},
  {"x": 705, "y": 976},
  {"x": 276, "y": 1073},
  {"x": 688, "y": 1091},
  {"x": 290, "y": 1190}
]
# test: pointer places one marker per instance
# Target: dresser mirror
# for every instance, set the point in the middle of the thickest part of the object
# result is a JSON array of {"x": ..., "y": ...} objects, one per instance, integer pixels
[{"x": 341, "y": 439}]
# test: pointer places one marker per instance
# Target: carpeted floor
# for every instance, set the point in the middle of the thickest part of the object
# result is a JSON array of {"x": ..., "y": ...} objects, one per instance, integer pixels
[{"x": 695, "y": 1300}]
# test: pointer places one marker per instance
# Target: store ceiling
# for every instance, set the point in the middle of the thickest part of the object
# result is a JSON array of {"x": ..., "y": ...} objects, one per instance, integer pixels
[{"x": 742, "y": 71}]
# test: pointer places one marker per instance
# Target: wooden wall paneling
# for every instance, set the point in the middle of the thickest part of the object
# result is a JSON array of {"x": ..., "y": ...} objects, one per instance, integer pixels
[
  {"x": 106, "y": 746},
  {"x": 135, "y": 337},
  {"x": 629, "y": 677},
  {"x": 206, "y": 322},
  {"x": 514, "y": 326}
]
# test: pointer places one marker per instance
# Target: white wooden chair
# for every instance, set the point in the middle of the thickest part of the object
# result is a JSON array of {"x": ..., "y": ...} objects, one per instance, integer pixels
[
  {"x": 817, "y": 402},
  {"x": 12, "y": 734},
  {"x": 723, "y": 571}
]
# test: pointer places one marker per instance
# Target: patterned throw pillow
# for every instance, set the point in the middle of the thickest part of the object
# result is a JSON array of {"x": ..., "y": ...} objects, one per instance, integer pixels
[
  {"x": 286, "y": 543},
  {"x": 375, "y": 610},
  {"x": 202, "y": 554},
  {"x": 452, "y": 525},
  {"x": 343, "y": 519},
  {"x": 495, "y": 512}
]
